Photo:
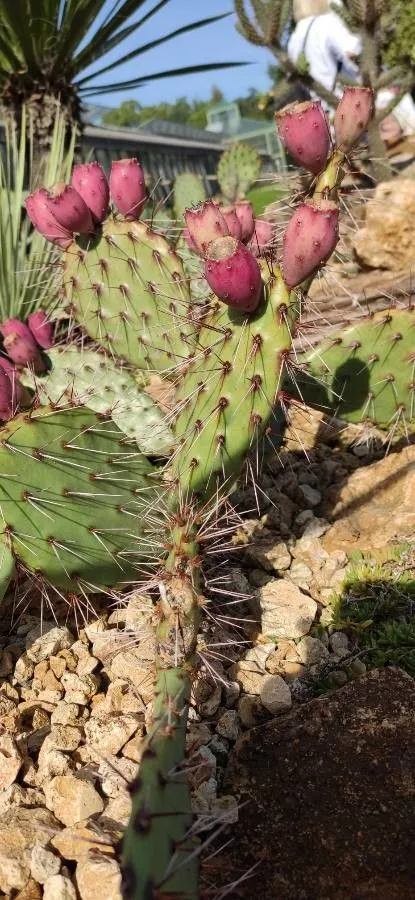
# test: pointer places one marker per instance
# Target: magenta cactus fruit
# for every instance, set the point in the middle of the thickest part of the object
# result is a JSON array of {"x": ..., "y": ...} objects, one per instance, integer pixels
[
  {"x": 262, "y": 239},
  {"x": 233, "y": 274},
  {"x": 21, "y": 346},
  {"x": 304, "y": 131},
  {"x": 69, "y": 209},
  {"x": 352, "y": 116},
  {"x": 245, "y": 214},
  {"x": 90, "y": 181},
  {"x": 41, "y": 329},
  {"x": 205, "y": 223},
  {"x": 128, "y": 188},
  {"x": 310, "y": 238},
  {"x": 6, "y": 396},
  {"x": 189, "y": 240},
  {"x": 38, "y": 210},
  {"x": 232, "y": 221}
]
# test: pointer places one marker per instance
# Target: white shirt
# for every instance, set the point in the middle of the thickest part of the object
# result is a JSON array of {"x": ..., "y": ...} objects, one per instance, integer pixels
[
  {"x": 328, "y": 43},
  {"x": 404, "y": 111}
]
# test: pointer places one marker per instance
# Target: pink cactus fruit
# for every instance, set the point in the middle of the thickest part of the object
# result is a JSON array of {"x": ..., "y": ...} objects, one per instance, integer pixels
[
  {"x": 204, "y": 224},
  {"x": 6, "y": 396},
  {"x": 17, "y": 395},
  {"x": 352, "y": 116},
  {"x": 304, "y": 131},
  {"x": 245, "y": 214},
  {"x": 90, "y": 181},
  {"x": 128, "y": 187},
  {"x": 232, "y": 221},
  {"x": 261, "y": 242},
  {"x": 21, "y": 346},
  {"x": 310, "y": 238},
  {"x": 189, "y": 240},
  {"x": 233, "y": 274},
  {"x": 38, "y": 210},
  {"x": 69, "y": 209},
  {"x": 41, "y": 329}
]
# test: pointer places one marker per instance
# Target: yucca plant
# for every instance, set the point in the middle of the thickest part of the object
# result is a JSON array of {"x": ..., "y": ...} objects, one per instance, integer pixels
[
  {"x": 58, "y": 49},
  {"x": 27, "y": 273}
]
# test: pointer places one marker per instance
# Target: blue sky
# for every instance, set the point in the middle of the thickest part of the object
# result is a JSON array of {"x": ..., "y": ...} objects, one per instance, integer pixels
[{"x": 213, "y": 43}]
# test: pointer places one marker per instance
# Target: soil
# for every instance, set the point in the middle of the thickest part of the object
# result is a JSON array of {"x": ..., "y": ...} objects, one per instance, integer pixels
[{"x": 326, "y": 798}]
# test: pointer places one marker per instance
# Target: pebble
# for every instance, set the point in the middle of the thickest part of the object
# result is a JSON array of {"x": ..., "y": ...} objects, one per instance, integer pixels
[
  {"x": 231, "y": 692},
  {"x": 227, "y": 725},
  {"x": 275, "y": 694},
  {"x": 300, "y": 574},
  {"x": 59, "y": 887},
  {"x": 72, "y": 799},
  {"x": 311, "y": 651},
  {"x": 225, "y": 810},
  {"x": 10, "y": 761},
  {"x": 82, "y": 839},
  {"x": 201, "y": 766},
  {"x": 209, "y": 706},
  {"x": 249, "y": 710},
  {"x": 79, "y": 690},
  {"x": 286, "y": 612},
  {"x": 356, "y": 668},
  {"x": 65, "y": 714},
  {"x": 23, "y": 670},
  {"x": 98, "y": 876},
  {"x": 248, "y": 676},
  {"x": 42, "y": 643},
  {"x": 339, "y": 643},
  {"x": 111, "y": 735},
  {"x": 310, "y": 494},
  {"x": 43, "y": 864}
]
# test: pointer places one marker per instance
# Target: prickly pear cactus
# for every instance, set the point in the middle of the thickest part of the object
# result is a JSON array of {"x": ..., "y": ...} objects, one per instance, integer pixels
[
  {"x": 87, "y": 378},
  {"x": 73, "y": 499},
  {"x": 238, "y": 169},
  {"x": 364, "y": 371},
  {"x": 188, "y": 190},
  {"x": 127, "y": 289}
]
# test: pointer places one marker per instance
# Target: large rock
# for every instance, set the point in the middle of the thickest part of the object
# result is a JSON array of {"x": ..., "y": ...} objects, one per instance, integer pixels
[
  {"x": 376, "y": 506},
  {"x": 325, "y": 798},
  {"x": 285, "y": 611},
  {"x": 387, "y": 239}
]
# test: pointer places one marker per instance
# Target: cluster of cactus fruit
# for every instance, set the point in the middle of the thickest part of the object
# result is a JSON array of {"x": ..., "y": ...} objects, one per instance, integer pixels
[{"x": 85, "y": 505}]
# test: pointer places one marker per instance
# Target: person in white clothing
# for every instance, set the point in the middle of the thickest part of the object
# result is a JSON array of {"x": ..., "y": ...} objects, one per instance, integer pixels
[{"x": 322, "y": 39}]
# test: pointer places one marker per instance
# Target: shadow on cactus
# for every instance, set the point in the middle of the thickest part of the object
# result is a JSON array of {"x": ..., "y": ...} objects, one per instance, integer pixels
[{"x": 226, "y": 361}]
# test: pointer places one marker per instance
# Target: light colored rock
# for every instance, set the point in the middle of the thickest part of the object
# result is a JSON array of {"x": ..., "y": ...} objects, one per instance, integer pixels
[
  {"x": 79, "y": 689},
  {"x": 31, "y": 891},
  {"x": 290, "y": 671},
  {"x": 82, "y": 839},
  {"x": 65, "y": 714},
  {"x": 311, "y": 651},
  {"x": 24, "y": 668},
  {"x": 300, "y": 574},
  {"x": 40, "y": 644},
  {"x": 259, "y": 654},
  {"x": 117, "y": 811},
  {"x": 275, "y": 695},
  {"x": 10, "y": 761},
  {"x": 205, "y": 795},
  {"x": 274, "y": 558},
  {"x": 59, "y": 887},
  {"x": 65, "y": 738},
  {"x": 201, "y": 765},
  {"x": 387, "y": 239},
  {"x": 249, "y": 710},
  {"x": 129, "y": 665},
  {"x": 109, "y": 736},
  {"x": 72, "y": 799},
  {"x": 43, "y": 864},
  {"x": 51, "y": 762},
  {"x": 285, "y": 611},
  {"x": 20, "y": 830},
  {"x": 376, "y": 506},
  {"x": 116, "y": 774},
  {"x": 227, "y": 725},
  {"x": 247, "y": 675},
  {"x": 98, "y": 877},
  {"x": 231, "y": 691}
]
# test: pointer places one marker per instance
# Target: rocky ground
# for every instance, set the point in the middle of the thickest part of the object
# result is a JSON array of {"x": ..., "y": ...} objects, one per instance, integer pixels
[{"x": 75, "y": 697}]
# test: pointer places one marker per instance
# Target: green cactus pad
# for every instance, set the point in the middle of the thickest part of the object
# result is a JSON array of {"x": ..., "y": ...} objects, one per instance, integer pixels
[
  {"x": 73, "y": 498},
  {"x": 126, "y": 288},
  {"x": 7, "y": 566},
  {"x": 227, "y": 394},
  {"x": 87, "y": 378},
  {"x": 238, "y": 169},
  {"x": 159, "y": 858},
  {"x": 364, "y": 371},
  {"x": 188, "y": 190}
]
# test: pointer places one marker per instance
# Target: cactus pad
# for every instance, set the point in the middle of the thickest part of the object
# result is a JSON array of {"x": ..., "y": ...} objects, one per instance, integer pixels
[
  {"x": 364, "y": 371},
  {"x": 159, "y": 858},
  {"x": 238, "y": 169},
  {"x": 73, "y": 498},
  {"x": 126, "y": 288},
  {"x": 227, "y": 394},
  {"x": 188, "y": 190},
  {"x": 87, "y": 378}
]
